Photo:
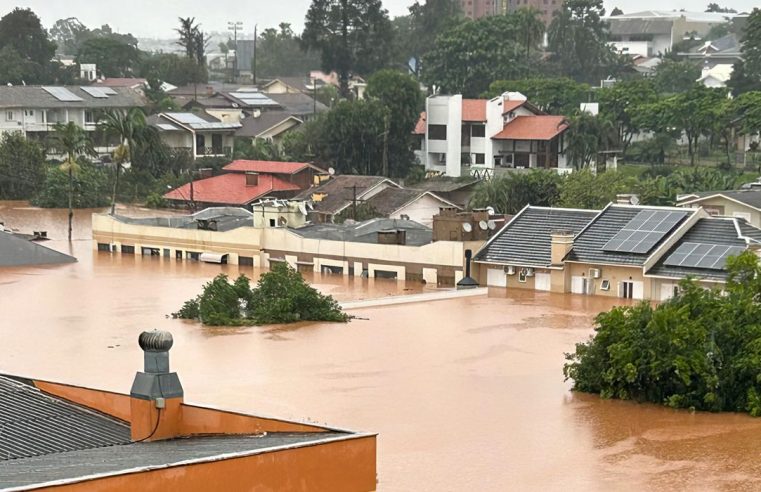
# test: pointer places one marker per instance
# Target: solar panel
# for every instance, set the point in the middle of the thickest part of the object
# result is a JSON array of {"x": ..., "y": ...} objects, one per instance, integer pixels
[
  {"x": 108, "y": 91},
  {"x": 187, "y": 118},
  {"x": 96, "y": 92},
  {"x": 254, "y": 98},
  {"x": 702, "y": 255},
  {"x": 62, "y": 94},
  {"x": 644, "y": 231},
  {"x": 167, "y": 126}
]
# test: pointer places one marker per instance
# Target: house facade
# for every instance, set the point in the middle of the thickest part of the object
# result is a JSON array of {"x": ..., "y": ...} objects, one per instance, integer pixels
[
  {"x": 624, "y": 251},
  {"x": 741, "y": 204},
  {"x": 200, "y": 134},
  {"x": 460, "y": 137}
]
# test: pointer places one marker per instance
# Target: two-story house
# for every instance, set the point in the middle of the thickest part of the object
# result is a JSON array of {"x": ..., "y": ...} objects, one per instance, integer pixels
[
  {"x": 460, "y": 136},
  {"x": 35, "y": 110}
]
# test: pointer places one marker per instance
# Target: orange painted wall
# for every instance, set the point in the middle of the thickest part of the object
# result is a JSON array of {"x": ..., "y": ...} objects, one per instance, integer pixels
[
  {"x": 342, "y": 466},
  {"x": 114, "y": 404}
]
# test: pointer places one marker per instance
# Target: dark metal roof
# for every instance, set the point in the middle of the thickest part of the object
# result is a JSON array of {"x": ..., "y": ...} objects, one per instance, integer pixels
[
  {"x": 118, "y": 459},
  {"x": 445, "y": 185},
  {"x": 587, "y": 247},
  {"x": 392, "y": 199},
  {"x": 227, "y": 219},
  {"x": 367, "y": 232},
  {"x": 33, "y": 423},
  {"x": 751, "y": 197},
  {"x": 622, "y": 27},
  {"x": 18, "y": 251},
  {"x": 526, "y": 240},
  {"x": 298, "y": 104},
  {"x": 339, "y": 192},
  {"x": 718, "y": 231},
  {"x": 34, "y": 96},
  {"x": 253, "y": 126}
]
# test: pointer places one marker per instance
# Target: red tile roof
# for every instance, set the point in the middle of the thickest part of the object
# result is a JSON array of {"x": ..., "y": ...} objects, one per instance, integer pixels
[
  {"x": 230, "y": 189},
  {"x": 511, "y": 105},
  {"x": 420, "y": 126},
  {"x": 271, "y": 167},
  {"x": 533, "y": 128},
  {"x": 474, "y": 110}
]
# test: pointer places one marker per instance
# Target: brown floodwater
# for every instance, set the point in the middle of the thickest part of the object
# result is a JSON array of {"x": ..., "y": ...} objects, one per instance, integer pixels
[{"x": 464, "y": 393}]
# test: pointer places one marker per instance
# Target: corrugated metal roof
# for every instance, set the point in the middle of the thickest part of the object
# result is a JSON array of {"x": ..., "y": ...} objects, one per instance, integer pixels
[
  {"x": 587, "y": 247},
  {"x": 715, "y": 231},
  {"x": 30, "y": 96},
  {"x": 17, "y": 251},
  {"x": 33, "y": 423},
  {"x": 526, "y": 240}
]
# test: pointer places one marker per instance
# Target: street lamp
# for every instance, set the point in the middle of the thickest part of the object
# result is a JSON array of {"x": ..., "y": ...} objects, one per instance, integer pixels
[{"x": 235, "y": 26}]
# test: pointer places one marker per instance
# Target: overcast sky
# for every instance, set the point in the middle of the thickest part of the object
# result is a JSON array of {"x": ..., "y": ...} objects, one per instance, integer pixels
[{"x": 157, "y": 18}]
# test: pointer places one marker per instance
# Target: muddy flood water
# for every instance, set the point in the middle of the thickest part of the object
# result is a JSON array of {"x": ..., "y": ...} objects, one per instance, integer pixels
[{"x": 465, "y": 394}]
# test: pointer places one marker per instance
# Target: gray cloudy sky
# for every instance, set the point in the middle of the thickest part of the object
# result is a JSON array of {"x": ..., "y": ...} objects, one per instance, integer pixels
[{"x": 157, "y": 18}]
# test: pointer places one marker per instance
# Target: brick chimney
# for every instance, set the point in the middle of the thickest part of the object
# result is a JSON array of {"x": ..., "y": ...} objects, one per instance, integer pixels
[
  {"x": 561, "y": 243},
  {"x": 156, "y": 394}
]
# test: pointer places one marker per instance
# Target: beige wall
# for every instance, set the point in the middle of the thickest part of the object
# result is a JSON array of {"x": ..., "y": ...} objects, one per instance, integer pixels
[
  {"x": 614, "y": 274},
  {"x": 226, "y": 115},
  {"x": 421, "y": 210},
  {"x": 730, "y": 209}
]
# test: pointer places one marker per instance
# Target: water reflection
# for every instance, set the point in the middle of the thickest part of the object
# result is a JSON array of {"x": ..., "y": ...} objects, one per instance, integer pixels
[{"x": 464, "y": 393}]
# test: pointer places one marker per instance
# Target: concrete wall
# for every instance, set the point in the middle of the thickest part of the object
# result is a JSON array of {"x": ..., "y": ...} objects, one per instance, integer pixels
[
  {"x": 614, "y": 275},
  {"x": 421, "y": 210}
]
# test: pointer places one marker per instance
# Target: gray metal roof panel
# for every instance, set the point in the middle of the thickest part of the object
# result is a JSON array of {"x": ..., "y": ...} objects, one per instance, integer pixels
[
  {"x": 588, "y": 245},
  {"x": 31, "y": 96},
  {"x": 367, "y": 231},
  {"x": 17, "y": 251},
  {"x": 33, "y": 423},
  {"x": 526, "y": 240}
]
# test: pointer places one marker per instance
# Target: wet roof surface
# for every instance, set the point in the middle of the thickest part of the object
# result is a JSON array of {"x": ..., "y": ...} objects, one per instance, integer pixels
[{"x": 367, "y": 231}]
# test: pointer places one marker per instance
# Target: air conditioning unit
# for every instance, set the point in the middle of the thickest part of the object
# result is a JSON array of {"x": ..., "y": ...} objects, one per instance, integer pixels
[
  {"x": 510, "y": 270},
  {"x": 594, "y": 272},
  {"x": 529, "y": 272}
]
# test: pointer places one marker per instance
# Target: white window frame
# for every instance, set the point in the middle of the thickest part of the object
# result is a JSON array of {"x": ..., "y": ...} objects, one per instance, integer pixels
[
  {"x": 9, "y": 116},
  {"x": 605, "y": 285},
  {"x": 522, "y": 274}
]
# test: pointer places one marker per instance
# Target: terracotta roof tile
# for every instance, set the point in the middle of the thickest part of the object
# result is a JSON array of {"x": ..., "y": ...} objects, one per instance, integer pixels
[
  {"x": 230, "y": 189},
  {"x": 474, "y": 110},
  {"x": 533, "y": 128},
  {"x": 270, "y": 167},
  {"x": 420, "y": 126}
]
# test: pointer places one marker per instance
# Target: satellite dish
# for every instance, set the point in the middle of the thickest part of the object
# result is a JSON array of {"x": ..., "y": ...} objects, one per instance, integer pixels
[
  {"x": 303, "y": 208},
  {"x": 483, "y": 225},
  {"x": 492, "y": 225},
  {"x": 467, "y": 227},
  {"x": 490, "y": 210},
  {"x": 331, "y": 171},
  {"x": 634, "y": 200}
]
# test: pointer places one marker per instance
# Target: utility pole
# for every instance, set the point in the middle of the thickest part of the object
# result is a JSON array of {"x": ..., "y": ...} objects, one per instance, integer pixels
[
  {"x": 234, "y": 26},
  {"x": 314, "y": 96},
  {"x": 385, "y": 144},
  {"x": 253, "y": 62},
  {"x": 354, "y": 204}
]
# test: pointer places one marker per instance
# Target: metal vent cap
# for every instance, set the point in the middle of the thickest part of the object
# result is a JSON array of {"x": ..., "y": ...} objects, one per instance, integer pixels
[{"x": 155, "y": 341}]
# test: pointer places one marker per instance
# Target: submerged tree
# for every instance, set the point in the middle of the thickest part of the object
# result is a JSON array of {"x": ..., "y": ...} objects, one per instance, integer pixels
[{"x": 280, "y": 296}]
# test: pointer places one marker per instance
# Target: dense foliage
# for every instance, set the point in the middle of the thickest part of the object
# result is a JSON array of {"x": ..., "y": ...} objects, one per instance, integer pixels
[
  {"x": 22, "y": 166},
  {"x": 89, "y": 187},
  {"x": 280, "y": 296},
  {"x": 746, "y": 75},
  {"x": 700, "y": 350}
]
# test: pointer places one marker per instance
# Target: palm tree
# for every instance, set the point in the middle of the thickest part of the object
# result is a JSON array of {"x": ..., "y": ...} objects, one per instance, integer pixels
[
  {"x": 531, "y": 27},
  {"x": 73, "y": 141},
  {"x": 125, "y": 125}
]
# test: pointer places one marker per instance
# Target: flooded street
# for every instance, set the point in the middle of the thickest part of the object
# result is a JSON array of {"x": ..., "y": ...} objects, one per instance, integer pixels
[{"x": 465, "y": 394}]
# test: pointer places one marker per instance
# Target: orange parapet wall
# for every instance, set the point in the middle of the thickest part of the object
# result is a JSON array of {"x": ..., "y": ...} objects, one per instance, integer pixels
[
  {"x": 346, "y": 465},
  {"x": 194, "y": 420}
]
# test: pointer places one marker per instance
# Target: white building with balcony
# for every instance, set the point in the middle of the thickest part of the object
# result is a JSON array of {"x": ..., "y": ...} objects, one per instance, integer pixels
[
  {"x": 35, "y": 110},
  {"x": 474, "y": 136},
  {"x": 200, "y": 134}
]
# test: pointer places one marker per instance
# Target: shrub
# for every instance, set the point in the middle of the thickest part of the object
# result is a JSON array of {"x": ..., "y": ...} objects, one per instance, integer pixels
[
  {"x": 281, "y": 296},
  {"x": 699, "y": 350}
]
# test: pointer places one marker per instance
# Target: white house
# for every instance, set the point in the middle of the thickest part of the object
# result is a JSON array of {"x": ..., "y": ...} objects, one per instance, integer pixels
[
  {"x": 473, "y": 136},
  {"x": 716, "y": 76},
  {"x": 201, "y": 135}
]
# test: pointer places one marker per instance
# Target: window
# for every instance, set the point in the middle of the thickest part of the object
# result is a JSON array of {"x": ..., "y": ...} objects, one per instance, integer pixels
[
  {"x": 627, "y": 290},
  {"x": 104, "y": 247},
  {"x": 89, "y": 117},
  {"x": 478, "y": 131},
  {"x": 9, "y": 116},
  {"x": 193, "y": 255},
  {"x": 480, "y": 158},
  {"x": 28, "y": 112},
  {"x": 245, "y": 261},
  {"x": 273, "y": 223},
  {"x": 522, "y": 275},
  {"x": 437, "y": 132},
  {"x": 605, "y": 285},
  {"x": 128, "y": 250}
]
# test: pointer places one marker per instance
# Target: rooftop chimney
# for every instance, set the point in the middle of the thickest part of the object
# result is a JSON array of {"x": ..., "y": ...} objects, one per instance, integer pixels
[
  {"x": 156, "y": 394},
  {"x": 467, "y": 281},
  {"x": 561, "y": 243}
]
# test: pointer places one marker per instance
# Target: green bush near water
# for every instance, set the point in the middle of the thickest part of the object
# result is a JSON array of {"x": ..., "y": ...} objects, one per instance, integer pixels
[
  {"x": 280, "y": 296},
  {"x": 700, "y": 350}
]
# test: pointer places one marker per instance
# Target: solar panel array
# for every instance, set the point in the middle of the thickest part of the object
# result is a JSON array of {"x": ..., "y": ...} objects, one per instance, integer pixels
[
  {"x": 62, "y": 94},
  {"x": 253, "y": 98},
  {"x": 186, "y": 118},
  {"x": 701, "y": 255},
  {"x": 644, "y": 231},
  {"x": 99, "y": 92}
]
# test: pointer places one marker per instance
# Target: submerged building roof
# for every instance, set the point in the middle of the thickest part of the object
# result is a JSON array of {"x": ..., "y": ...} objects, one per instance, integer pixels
[
  {"x": 230, "y": 189},
  {"x": 19, "y": 251},
  {"x": 220, "y": 218},
  {"x": 367, "y": 231},
  {"x": 338, "y": 192}
]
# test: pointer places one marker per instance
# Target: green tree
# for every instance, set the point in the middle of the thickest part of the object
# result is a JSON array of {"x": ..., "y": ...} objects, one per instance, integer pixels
[
  {"x": 22, "y": 32},
  {"x": 125, "y": 125},
  {"x": 557, "y": 95},
  {"x": 22, "y": 166},
  {"x": 715, "y": 7},
  {"x": 279, "y": 53},
  {"x": 619, "y": 103},
  {"x": 13, "y": 68},
  {"x": 67, "y": 33},
  {"x": 89, "y": 185},
  {"x": 353, "y": 37},
  {"x": 471, "y": 55},
  {"x": 169, "y": 67},
  {"x": 578, "y": 41},
  {"x": 695, "y": 112},
  {"x": 351, "y": 137},
  {"x": 585, "y": 189},
  {"x": 425, "y": 22},
  {"x": 530, "y": 28},
  {"x": 699, "y": 350},
  {"x": 616, "y": 11},
  {"x": 509, "y": 193},
  {"x": 746, "y": 75},
  {"x": 400, "y": 95},
  {"x": 675, "y": 76},
  {"x": 587, "y": 136},
  {"x": 72, "y": 141},
  {"x": 112, "y": 57}
]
